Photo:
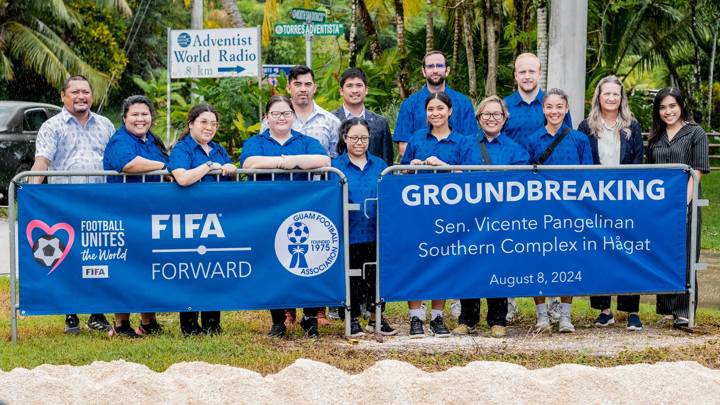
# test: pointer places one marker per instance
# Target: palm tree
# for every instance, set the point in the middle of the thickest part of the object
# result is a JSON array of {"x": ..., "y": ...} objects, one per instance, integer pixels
[
  {"x": 233, "y": 12},
  {"x": 26, "y": 39}
]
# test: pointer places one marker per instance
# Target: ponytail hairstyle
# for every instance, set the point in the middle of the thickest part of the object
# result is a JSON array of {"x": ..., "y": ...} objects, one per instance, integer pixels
[
  {"x": 443, "y": 97},
  {"x": 194, "y": 113},
  {"x": 556, "y": 92},
  {"x": 345, "y": 128},
  {"x": 138, "y": 99},
  {"x": 658, "y": 125}
]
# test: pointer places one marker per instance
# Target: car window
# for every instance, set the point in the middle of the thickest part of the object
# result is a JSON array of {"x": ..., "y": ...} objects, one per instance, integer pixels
[
  {"x": 34, "y": 119},
  {"x": 5, "y": 114}
]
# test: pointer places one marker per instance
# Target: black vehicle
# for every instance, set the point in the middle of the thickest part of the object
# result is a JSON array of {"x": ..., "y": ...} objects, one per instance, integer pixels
[{"x": 19, "y": 125}]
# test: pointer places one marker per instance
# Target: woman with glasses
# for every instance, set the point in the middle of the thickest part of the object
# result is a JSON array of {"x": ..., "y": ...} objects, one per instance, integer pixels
[
  {"x": 192, "y": 158},
  {"x": 495, "y": 149},
  {"x": 362, "y": 170},
  {"x": 437, "y": 145},
  {"x": 280, "y": 147},
  {"x": 615, "y": 139}
]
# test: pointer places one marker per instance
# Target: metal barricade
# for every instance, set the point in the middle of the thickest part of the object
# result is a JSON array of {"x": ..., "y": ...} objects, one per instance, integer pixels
[
  {"x": 241, "y": 175},
  {"x": 694, "y": 265}
]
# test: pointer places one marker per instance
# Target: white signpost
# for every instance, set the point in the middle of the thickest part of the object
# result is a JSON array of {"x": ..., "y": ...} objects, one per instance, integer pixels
[{"x": 225, "y": 52}]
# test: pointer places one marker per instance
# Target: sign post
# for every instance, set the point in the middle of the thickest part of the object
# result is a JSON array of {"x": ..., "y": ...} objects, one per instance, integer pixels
[
  {"x": 312, "y": 23},
  {"x": 226, "y": 52}
]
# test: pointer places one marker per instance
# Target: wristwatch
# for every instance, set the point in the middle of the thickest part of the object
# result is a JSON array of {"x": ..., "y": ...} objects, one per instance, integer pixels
[{"x": 210, "y": 164}]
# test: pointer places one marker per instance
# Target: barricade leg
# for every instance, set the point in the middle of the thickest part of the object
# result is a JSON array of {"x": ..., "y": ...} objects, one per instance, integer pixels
[{"x": 13, "y": 270}]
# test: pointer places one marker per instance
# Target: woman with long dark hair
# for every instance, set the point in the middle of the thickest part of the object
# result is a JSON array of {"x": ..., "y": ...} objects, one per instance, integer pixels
[
  {"x": 675, "y": 138},
  {"x": 615, "y": 139}
]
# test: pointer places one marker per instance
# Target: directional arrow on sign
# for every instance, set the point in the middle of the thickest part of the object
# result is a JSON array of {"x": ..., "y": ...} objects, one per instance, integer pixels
[{"x": 230, "y": 69}]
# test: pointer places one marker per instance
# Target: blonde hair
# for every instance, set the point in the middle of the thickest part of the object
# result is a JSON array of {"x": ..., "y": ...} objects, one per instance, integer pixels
[
  {"x": 625, "y": 116},
  {"x": 488, "y": 100}
]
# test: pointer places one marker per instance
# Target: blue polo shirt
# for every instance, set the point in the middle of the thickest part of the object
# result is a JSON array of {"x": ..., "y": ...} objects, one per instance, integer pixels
[
  {"x": 124, "y": 147},
  {"x": 412, "y": 116},
  {"x": 503, "y": 151},
  {"x": 188, "y": 154},
  {"x": 362, "y": 184},
  {"x": 264, "y": 145},
  {"x": 573, "y": 150},
  {"x": 456, "y": 149},
  {"x": 526, "y": 118}
]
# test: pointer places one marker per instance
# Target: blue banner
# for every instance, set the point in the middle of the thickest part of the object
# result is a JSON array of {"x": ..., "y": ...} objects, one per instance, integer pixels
[
  {"x": 523, "y": 233},
  {"x": 159, "y": 247}
]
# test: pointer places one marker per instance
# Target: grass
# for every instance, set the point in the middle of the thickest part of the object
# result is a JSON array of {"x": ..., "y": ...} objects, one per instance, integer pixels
[
  {"x": 244, "y": 344},
  {"x": 711, "y": 214}
]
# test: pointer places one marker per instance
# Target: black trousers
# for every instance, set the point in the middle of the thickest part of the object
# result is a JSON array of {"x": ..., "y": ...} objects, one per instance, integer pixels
[
  {"x": 625, "y": 303},
  {"x": 207, "y": 318},
  {"x": 679, "y": 304},
  {"x": 362, "y": 289},
  {"x": 470, "y": 311},
  {"x": 278, "y": 315}
]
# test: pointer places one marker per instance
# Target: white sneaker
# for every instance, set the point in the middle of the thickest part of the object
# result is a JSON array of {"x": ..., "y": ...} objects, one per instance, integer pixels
[
  {"x": 511, "y": 310},
  {"x": 333, "y": 314},
  {"x": 565, "y": 325},
  {"x": 555, "y": 310},
  {"x": 455, "y": 308},
  {"x": 543, "y": 321}
]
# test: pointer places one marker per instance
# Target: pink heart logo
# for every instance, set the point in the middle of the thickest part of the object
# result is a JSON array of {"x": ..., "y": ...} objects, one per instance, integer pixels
[{"x": 36, "y": 223}]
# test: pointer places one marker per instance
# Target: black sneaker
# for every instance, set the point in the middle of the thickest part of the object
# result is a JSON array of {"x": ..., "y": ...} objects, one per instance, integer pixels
[
  {"x": 150, "y": 329},
  {"x": 416, "y": 328},
  {"x": 277, "y": 330},
  {"x": 604, "y": 319},
  {"x": 355, "y": 328},
  {"x": 211, "y": 325},
  {"x": 189, "y": 325},
  {"x": 310, "y": 325},
  {"x": 98, "y": 322},
  {"x": 437, "y": 327},
  {"x": 124, "y": 330},
  {"x": 72, "y": 324},
  {"x": 385, "y": 328}
]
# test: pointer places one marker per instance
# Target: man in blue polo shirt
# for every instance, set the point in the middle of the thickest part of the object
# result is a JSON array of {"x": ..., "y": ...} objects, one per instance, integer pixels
[
  {"x": 525, "y": 104},
  {"x": 412, "y": 116}
]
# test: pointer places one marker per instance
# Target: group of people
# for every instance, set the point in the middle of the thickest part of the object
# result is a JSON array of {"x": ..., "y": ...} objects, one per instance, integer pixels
[{"x": 436, "y": 126}]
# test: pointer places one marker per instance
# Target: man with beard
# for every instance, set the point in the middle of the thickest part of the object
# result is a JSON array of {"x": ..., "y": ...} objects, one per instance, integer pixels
[
  {"x": 354, "y": 89},
  {"x": 412, "y": 115},
  {"x": 74, "y": 140},
  {"x": 310, "y": 119}
]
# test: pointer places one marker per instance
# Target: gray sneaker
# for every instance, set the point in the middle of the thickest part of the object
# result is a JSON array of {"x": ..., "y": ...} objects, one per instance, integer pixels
[
  {"x": 554, "y": 310},
  {"x": 543, "y": 322},
  {"x": 511, "y": 310},
  {"x": 565, "y": 326},
  {"x": 455, "y": 309}
]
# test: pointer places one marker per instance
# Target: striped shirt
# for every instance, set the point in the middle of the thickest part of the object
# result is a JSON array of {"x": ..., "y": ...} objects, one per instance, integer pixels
[{"x": 689, "y": 146}]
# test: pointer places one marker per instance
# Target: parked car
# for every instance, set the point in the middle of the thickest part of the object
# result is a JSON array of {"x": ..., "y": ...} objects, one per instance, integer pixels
[{"x": 19, "y": 125}]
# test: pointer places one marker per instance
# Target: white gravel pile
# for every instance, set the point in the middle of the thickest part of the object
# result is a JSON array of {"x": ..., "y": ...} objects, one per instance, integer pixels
[{"x": 387, "y": 382}]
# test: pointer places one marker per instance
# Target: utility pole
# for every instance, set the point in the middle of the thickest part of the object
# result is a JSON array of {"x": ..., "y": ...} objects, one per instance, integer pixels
[
  {"x": 566, "y": 59},
  {"x": 196, "y": 15}
]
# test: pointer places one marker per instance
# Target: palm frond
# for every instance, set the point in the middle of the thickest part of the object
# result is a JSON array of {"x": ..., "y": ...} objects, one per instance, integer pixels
[
  {"x": 62, "y": 13},
  {"x": 120, "y": 5},
  {"x": 270, "y": 15}
]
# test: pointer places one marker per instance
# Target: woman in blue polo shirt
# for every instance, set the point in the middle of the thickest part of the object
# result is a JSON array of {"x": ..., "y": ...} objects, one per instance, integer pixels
[
  {"x": 134, "y": 149},
  {"x": 279, "y": 147},
  {"x": 573, "y": 149},
  {"x": 362, "y": 170},
  {"x": 192, "y": 158},
  {"x": 437, "y": 145}
]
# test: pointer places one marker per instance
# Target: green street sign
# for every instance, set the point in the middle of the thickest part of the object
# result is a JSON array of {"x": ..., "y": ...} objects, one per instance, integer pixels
[
  {"x": 305, "y": 15},
  {"x": 298, "y": 30}
]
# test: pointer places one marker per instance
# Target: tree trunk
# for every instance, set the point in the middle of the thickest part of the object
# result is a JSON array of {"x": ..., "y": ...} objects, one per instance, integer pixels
[
  {"x": 469, "y": 51},
  {"x": 233, "y": 12},
  {"x": 429, "y": 45},
  {"x": 457, "y": 34},
  {"x": 522, "y": 23},
  {"x": 370, "y": 30},
  {"x": 695, "y": 90},
  {"x": 491, "y": 24},
  {"x": 542, "y": 41},
  {"x": 710, "y": 77},
  {"x": 352, "y": 42},
  {"x": 400, "y": 26}
]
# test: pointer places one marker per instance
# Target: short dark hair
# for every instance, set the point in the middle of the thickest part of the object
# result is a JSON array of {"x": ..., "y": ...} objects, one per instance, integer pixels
[
  {"x": 345, "y": 128},
  {"x": 352, "y": 73},
  {"x": 433, "y": 53},
  {"x": 298, "y": 70},
  {"x": 79, "y": 78}
]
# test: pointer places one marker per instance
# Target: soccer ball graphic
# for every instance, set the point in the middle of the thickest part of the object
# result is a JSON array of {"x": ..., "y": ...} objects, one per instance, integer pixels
[
  {"x": 47, "y": 250},
  {"x": 298, "y": 232}
]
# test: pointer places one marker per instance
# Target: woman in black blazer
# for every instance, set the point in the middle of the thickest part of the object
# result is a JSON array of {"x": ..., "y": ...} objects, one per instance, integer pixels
[{"x": 615, "y": 139}]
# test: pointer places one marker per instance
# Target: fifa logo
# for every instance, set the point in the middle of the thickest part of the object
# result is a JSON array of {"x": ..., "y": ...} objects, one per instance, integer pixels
[{"x": 185, "y": 226}]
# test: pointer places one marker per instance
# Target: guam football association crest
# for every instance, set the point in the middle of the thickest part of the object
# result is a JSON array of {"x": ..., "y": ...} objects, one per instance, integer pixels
[{"x": 307, "y": 243}]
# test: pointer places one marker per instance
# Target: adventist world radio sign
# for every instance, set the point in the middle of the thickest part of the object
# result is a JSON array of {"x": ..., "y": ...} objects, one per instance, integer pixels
[{"x": 227, "y": 52}]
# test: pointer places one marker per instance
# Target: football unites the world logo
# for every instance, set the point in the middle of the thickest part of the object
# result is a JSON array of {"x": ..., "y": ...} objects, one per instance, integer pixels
[
  {"x": 307, "y": 243},
  {"x": 48, "y": 249}
]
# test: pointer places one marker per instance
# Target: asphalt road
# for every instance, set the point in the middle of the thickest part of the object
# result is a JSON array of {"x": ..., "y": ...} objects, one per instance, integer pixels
[{"x": 4, "y": 247}]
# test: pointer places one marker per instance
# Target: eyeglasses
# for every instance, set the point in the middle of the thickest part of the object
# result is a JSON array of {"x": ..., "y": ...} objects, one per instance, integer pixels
[
  {"x": 206, "y": 123},
  {"x": 358, "y": 139},
  {"x": 435, "y": 66},
  {"x": 278, "y": 114},
  {"x": 487, "y": 115}
]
